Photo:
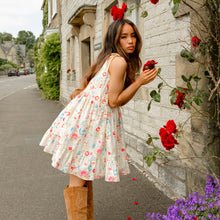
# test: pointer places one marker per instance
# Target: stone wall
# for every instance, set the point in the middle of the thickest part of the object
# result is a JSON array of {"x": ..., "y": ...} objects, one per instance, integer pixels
[{"x": 164, "y": 35}]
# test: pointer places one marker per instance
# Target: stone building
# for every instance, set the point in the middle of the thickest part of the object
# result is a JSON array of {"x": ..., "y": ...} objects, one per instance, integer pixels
[
  {"x": 83, "y": 26},
  {"x": 8, "y": 51},
  {"x": 54, "y": 16}
]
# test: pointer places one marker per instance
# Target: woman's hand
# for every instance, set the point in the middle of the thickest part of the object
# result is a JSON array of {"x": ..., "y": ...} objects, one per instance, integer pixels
[{"x": 146, "y": 77}]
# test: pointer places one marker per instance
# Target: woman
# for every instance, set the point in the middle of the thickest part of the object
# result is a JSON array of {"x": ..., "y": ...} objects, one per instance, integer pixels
[{"x": 87, "y": 139}]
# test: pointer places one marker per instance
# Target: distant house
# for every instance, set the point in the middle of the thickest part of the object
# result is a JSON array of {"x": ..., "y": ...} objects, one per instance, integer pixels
[{"x": 9, "y": 51}]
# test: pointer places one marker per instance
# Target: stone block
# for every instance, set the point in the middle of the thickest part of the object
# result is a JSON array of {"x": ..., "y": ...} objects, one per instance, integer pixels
[
  {"x": 153, "y": 169},
  {"x": 132, "y": 141},
  {"x": 142, "y": 147},
  {"x": 172, "y": 182}
]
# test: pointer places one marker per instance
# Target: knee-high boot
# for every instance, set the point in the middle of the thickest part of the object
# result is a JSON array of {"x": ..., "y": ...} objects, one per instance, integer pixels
[
  {"x": 90, "y": 200},
  {"x": 76, "y": 202}
]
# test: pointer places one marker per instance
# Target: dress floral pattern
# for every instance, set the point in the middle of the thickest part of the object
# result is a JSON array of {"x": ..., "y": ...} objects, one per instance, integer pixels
[{"x": 87, "y": 137}]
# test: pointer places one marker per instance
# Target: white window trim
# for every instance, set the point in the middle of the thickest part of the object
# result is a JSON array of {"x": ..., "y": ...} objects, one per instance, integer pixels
[
  {"x": 49, "y": 12},
  {"x": 54, "y": 8}
]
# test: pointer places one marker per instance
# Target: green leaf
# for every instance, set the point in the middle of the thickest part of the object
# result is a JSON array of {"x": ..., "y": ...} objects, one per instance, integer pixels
[
  {"x": 149, "y": 161},
  {"x": 190, "y": 77},
  {"x": 157, "y": 97},
  {"x": 189, "y": 86},
  {"x": 175, "y": 8},
  {"x": 144, "y": 14},
  {"x": 153, "y": 93},
  {"x": 173, "y": 91},
  {"x": 128, "y": 12},
  {"x": 196, "y": 78},
  {"x": 155, "y": 138},
  {"x": 184, "y": 78},
  {"x": 176, "y": 1},
  {"x": 173, "y": 99},
  {"x": 190, "y": 58},
  {"x": 149, "y": 140},
  {"x": 132, "y": 6},
  {"x": 160, "y": 85},
  {"x": 184, "y": 53},
  {"x": 207, "y": 75},
  {"x": 186, "y": 105},
  {"x": 159, "y": 70},
  {"x": 149, "y": 105},
  {"x": 182, "y": 90},
  {"x": 198, "y": 100}
]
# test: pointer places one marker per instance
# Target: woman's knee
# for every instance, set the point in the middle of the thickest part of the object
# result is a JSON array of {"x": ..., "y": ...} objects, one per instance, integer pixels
[{"x": 76, "y": 181}]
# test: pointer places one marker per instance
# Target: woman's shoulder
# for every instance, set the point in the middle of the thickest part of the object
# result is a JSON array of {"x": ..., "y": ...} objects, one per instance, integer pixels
[
  {"x": 117, "y": 63},
  {"x": 117, "y": 59}
]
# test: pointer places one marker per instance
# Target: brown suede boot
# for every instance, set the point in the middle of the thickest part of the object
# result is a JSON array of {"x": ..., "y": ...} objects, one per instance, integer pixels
[
  {"x": 90, "y": 200},
  {"x": 76, "y": 202}
]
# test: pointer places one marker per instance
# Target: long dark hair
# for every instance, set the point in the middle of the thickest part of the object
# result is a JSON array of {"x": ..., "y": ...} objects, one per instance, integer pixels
[{"x": 111, "y": 45}]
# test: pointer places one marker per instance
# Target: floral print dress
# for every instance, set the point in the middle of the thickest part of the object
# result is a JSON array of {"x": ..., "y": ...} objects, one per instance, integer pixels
[{"x": 87, "y": 137}]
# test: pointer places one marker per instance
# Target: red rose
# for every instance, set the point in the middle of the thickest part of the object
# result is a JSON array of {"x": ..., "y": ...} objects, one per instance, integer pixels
[
  {"x": 195, "y": 41},
  {"x": 167, "y": 139},
  {"x": 171, "y": 126},
  {"x": 149, "y": 64},
  {"x": 124, "y": 7},
  {"x": 68, "y": 70},
  {"x": 154, "y": 1},
  {"x": 180, "y": 98},
  {"x": 118, "y": 13},
  {"x": 114, "y": 8}
]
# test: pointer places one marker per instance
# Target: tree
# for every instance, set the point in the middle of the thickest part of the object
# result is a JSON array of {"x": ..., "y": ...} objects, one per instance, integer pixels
[
  {"x": 27, "y": 38},
  {"x": 19, "y": 55},
  {"x": 30, "y": 57},
  {"x": 5, "y": 37}
]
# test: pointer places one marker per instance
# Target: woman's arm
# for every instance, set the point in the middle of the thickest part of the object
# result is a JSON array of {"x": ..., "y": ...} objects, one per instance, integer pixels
[{"x": 116, "y": 95}]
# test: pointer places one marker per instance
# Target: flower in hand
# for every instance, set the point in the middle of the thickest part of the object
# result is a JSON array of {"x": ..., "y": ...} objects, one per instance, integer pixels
[{"x": 150, "y": 64}]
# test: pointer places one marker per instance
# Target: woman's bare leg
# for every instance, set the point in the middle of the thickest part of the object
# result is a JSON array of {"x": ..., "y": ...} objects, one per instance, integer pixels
[{"x": 76, "y": 181}]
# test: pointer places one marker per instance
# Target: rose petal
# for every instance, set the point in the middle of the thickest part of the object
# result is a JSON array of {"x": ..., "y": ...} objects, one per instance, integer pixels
[
  {"x": 135, "y": 203},
  {"x": 133, "y": 178},
  {"x": 129, "y": 218}
]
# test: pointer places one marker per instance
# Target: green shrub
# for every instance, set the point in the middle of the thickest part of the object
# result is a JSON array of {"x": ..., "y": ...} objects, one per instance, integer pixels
[
  {"x": 2, "y": 61},
  {"x": 48, "y": 55},
  {"x": 7, "y": 66}
]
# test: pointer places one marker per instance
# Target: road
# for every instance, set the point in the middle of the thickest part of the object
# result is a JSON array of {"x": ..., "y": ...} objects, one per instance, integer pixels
[
  {"x": 11, "y": 85},
  {"x": 30, "y": 189}
]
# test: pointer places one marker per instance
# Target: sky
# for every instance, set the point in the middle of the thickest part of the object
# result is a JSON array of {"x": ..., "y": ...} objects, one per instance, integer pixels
[{"x": 18, "y": 15}]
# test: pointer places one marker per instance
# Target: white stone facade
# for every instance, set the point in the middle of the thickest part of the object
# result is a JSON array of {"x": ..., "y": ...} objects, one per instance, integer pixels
[{"x": 163, "y": 37}]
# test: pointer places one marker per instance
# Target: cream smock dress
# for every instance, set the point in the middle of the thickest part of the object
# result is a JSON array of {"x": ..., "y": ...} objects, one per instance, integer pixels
[{"x": 87, "y": 138}]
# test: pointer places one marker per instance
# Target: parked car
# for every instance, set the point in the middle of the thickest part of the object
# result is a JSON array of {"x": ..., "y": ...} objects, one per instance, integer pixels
[
  {"x": 23, "y": 71},
  {"x": 13, "y": 72},
  {"x": 30, "y": 70}
]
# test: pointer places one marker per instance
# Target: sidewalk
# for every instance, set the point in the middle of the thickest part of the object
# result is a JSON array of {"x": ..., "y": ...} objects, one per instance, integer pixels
[{"x": 30, "y": 189}]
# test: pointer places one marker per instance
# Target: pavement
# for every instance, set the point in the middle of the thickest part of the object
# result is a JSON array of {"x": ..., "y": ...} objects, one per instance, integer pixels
[{"x": 31, "y": 189}]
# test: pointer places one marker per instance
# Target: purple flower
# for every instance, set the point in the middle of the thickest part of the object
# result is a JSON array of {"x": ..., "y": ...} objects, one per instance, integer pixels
[{"x": 195, "y": 206}]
